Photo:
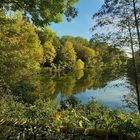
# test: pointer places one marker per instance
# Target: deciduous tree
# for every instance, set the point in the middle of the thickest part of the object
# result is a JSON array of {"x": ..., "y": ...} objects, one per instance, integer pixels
[
  {"x": 68, "y": 55},
  {"x": 49, "y": 53},
  {"x": 20, "y": 48}
]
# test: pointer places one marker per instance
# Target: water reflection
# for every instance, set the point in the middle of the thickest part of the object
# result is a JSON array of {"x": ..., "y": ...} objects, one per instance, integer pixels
[
  {"x": 132, "y": 100},
  {"x": 48, "y": 85},
  {"x": 111, "y": 95},
  {"x": 108, "y": 85}
]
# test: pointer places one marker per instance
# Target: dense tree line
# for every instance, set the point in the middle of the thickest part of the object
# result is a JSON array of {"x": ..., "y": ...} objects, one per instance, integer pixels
[
  {"x": 73, "y": 51},
  {"x": 25, "y": 48}
]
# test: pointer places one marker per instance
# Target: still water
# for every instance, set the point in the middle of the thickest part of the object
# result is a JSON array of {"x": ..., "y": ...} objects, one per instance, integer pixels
[
  {"x": 111, "y": 95},
  {"x": 107, "y": 86}
]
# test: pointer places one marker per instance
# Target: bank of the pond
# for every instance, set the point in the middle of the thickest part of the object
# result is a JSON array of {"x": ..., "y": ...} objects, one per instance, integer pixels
[{"x": 91, "y": 119}]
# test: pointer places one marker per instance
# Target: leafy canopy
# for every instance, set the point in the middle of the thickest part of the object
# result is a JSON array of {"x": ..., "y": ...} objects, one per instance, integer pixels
[
  {"x": 20, "y": 46},
  {"x": 68, "y": 55},
  {"x": 49, "y": 52},
  {"x": 42, "y": 12}
]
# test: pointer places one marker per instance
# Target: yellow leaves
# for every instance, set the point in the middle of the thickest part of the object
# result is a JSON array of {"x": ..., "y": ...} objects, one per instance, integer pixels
[
  {"x": 69, "y": 45},
  {"x": 48, "y": 45},
  {"x": 79, "y": 74},
  {"x": 81, "y": 123},
  {"x": 79, "y": 65},
  {"x": 38, "y": 54},
  {"x": 14, "y": 40},
  {"x": 56, "y": 117},
  {"x": 123, "y": 117},
  {"x": 68, "y": 55},
  {"x": 21, "y": 44},
  {"x": 49, "y": 52},
  {"x": 87, "y": 55}
]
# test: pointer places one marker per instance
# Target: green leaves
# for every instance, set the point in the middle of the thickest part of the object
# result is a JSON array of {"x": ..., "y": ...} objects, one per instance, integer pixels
[
  {"x": 47, "y": 118},
  {"x": 49, "y": 53},
  {"x": 20, "y": 47},
  {"x": 42, "y": 12},
  {"x": 68, "y": 56}
]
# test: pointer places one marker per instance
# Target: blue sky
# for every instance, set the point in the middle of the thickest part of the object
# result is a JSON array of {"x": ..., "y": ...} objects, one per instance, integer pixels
[{"x": 80, "y": 26}]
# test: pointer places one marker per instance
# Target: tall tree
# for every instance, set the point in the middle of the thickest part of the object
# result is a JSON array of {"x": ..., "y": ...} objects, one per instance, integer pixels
[
  {"x": 123, "y": 16},
  {"x": 135, "y": 67},
  {"x": 46, "y": 35},
  {"x": 20, "y": 48},
  {"x": 113, "y": 11},
  {"x": 136, "y": 12}
]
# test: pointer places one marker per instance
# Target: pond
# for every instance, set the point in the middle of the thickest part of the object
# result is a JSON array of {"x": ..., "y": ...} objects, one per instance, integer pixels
[{"x": 107, "y": 86}]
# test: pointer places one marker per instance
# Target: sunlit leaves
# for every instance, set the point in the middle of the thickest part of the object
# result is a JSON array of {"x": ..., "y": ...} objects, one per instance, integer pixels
[
  {"x": 68, "y": 55},
  {"x": 49, "y": 52},
  {"x": 20, "y": 46},
  {"x": 79, "y": 65}
]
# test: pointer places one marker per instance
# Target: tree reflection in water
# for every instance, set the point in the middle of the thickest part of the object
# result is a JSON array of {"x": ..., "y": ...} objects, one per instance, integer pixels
[{"x": 48, "y": 86}]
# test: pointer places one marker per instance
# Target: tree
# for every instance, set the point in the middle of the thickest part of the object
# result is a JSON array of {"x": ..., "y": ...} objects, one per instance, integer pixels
[
  {"x": 108, "y": 55},
  {"x": 77, "y": 41},
  {"x": 49, "y": 53},
  {"x": 47, "y": 34},
  {"x": 123, "y": 16},
  {"x": 68, "y": 56},
  {"x": 122, "y": 10},
  {"x": 42, "y": 12},
  {"x": 82, "y": 49},
  {"x": 87, "y": 55},
  {"x": 51, "y": 44},
  {"x": 20, "y": 49},
  {"x": 136, "y": 19},
  {"x": 101, "y": 50}
]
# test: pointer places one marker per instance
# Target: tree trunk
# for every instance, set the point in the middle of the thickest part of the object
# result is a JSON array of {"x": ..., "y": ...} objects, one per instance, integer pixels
[
  {"x": 136, "y": 21},
  {"x": 135, "y": 69}
]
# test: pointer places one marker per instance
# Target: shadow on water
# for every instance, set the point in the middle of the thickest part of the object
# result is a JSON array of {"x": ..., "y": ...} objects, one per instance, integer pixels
[{"x": 132, "y": 100}]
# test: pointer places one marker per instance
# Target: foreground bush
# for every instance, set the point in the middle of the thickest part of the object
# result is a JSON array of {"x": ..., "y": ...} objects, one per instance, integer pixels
[{"x": 52, "y": 120}]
